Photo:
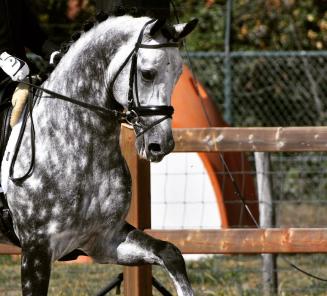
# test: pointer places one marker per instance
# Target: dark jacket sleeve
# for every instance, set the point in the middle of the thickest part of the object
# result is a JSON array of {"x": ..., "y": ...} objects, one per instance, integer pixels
[
  {"x": 7, "y": 30},
  {"x": 19, "y": 29},
  {"x": 33, "y": 37}
]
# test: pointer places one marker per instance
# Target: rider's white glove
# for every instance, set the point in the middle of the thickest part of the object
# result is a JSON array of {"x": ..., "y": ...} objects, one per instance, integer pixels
[
  {"x": 53, "y": 56},
  {"x": 13, "y": 67}
]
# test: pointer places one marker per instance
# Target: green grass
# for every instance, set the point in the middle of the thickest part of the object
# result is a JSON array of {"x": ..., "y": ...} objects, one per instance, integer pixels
[{"x": 214, "y": 276}]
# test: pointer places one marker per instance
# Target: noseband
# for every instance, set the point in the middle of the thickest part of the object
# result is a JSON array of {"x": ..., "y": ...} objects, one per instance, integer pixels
[{"x": 134, "y": 108}]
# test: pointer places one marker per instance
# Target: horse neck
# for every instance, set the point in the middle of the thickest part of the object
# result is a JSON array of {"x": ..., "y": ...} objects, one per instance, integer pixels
[
  {"x": 83, "y": 71},
  {"x": 69, "y": 118},
  {"x": 82, "y": 75}
]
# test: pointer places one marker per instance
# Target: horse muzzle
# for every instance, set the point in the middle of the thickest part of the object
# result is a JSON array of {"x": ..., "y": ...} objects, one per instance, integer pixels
[{"x": 154, "y": 145}]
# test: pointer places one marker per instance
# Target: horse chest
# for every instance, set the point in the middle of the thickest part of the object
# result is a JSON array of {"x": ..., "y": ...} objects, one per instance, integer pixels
[
  {"x": 108, "y": 201},
  {"x": 80, "y": 204}
]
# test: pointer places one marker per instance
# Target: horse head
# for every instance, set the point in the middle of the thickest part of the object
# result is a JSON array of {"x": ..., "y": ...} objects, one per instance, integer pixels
[
  {"x": 142, "y": 77},
  {"x": 129, "y": 65}
]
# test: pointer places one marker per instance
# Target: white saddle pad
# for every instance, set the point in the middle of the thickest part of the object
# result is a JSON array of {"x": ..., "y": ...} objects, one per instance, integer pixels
[{"x": 8, "y": 156}]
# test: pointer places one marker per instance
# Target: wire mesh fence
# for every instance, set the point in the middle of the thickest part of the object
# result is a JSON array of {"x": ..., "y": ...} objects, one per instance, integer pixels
[
  {"x": 185, "y": 198},
  {"x": 274, "y": 89},
  {"x": 298, "y": 184},
  {"x": 182, "y": 196},
  {"x": 267, "y": 88}
]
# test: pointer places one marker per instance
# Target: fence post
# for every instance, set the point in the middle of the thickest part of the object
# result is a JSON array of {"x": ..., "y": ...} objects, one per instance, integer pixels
[
  {"x": 228, "y": 116},
  {"x": 267, "y": 220},
  {"x": 137, "y": 280}
]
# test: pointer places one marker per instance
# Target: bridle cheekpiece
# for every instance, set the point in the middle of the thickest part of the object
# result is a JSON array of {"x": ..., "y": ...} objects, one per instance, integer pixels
[{"x": 134, "y": 108}]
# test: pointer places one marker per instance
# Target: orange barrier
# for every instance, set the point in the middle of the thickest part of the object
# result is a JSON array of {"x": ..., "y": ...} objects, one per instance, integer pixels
[{"x": 194, "y": 111}]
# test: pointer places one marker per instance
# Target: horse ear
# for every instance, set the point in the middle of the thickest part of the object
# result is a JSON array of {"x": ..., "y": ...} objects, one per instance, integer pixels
[
  {"x": 157, "y": 26},
  {"x": 183, "y": 30}
]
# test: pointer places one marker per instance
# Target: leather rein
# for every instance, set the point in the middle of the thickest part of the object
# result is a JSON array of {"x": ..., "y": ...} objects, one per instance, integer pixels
[{"x": 132, "y": 115}]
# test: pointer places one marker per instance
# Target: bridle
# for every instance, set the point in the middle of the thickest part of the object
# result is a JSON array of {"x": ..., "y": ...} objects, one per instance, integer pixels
[
  {"x": 132, "y": 115},
  {"x": 134, "y": 108}
]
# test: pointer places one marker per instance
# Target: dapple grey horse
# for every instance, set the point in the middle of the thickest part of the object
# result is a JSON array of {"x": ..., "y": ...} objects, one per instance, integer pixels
[{"x": 79, "y": 192}]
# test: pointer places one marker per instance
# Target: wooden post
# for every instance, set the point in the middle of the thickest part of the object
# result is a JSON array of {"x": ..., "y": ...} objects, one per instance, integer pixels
[
  {"x": 137, "y": 280},
  {"x": 267, "y": 219}
]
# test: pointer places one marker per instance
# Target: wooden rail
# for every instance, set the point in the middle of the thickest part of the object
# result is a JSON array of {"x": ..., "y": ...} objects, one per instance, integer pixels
[
  {"x": 265, "y": 139},
  {"x": 237, "y": 241},
  {"x": 246, "y": 241},
  {"x": 9, "y": 250}
]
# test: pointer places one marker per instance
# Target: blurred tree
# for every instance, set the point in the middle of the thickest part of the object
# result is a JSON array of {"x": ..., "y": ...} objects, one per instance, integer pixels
[
  {"x": 258, "y": 24},
  {"x": 60, "y": 18}
]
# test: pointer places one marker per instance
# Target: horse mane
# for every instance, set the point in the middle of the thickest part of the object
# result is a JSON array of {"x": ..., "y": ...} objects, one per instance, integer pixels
[
  {"x": 88, "y": 25},
  {"x": 87, "y": 56},
  {"x": 167, "y": 30},
  {"x": 114, "y": 42}
]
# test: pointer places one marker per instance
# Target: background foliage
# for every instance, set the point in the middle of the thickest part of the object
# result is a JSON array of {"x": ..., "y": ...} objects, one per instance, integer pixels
[
  {"x": 60, "y": 18},
  {"x": 259, "y": 24}
]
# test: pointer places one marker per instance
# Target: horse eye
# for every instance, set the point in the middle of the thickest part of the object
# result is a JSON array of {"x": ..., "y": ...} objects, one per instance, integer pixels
[{"x": 148, "y": 75}]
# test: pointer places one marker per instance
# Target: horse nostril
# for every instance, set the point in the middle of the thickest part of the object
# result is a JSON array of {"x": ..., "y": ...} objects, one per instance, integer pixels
[{"x": 154, "y": 147}]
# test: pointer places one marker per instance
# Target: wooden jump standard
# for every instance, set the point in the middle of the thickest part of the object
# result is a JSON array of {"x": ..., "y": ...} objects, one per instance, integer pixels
[{"x": 225, "y": 241}]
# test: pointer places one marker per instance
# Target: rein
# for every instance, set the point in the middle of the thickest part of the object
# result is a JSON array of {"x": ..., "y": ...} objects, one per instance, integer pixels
[
  {"x": 131, "y": 115},
  {"x": 97, "y": 109}
]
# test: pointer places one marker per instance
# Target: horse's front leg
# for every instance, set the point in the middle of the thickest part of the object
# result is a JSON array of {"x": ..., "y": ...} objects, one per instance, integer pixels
[
  {"x": 134, "y": 247},
  {"x": 35, "y": 269}
]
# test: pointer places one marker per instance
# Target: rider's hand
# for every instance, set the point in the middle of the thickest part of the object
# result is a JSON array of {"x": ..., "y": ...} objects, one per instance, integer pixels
[{"x": 13, "y": 67}]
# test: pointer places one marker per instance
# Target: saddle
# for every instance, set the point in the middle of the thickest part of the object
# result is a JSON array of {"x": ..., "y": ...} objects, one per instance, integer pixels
[{"x": 7, "y": 88}]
